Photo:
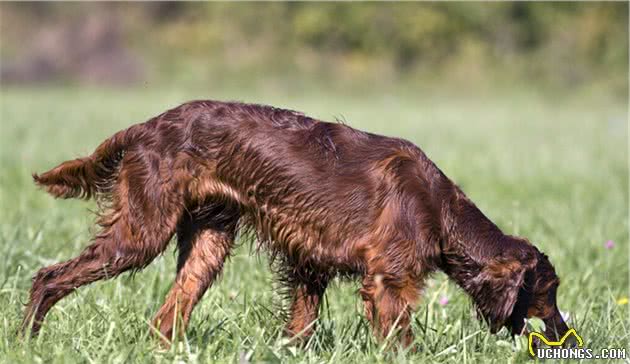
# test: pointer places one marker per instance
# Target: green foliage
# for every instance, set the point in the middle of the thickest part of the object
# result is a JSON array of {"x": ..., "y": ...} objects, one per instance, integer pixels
[
  {"x": 589, "y": 38},
  {"x": 553, "y": 170},
  {"x": 558, "y": 43}
]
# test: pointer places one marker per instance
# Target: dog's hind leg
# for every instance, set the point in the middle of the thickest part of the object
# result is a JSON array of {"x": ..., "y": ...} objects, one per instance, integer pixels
[
  {"x": 136, "y": 231},
  {"x": 204, "y": 241}
]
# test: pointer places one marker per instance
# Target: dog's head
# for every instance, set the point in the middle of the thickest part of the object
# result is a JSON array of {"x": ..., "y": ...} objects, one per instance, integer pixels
[
  {"x": 518, "y": 285},
  {"x": 537, "y": 297}
]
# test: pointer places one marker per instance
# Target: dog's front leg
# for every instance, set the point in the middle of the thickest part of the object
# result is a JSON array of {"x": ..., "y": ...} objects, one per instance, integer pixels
[
  {"x": 306, "y": 299},
  {"x": 389, "y": 301}
]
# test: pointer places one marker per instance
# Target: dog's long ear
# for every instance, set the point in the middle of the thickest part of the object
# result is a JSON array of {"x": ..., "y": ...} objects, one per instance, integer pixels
[{"x": 496, "y": 288}]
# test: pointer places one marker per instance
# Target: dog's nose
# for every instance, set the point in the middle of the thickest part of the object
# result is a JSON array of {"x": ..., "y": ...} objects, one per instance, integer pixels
[{"x": 556, "y": 328}]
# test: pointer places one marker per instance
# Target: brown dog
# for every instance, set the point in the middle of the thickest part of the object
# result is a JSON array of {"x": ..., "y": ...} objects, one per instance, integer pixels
[{"x": 323, "y": 198}]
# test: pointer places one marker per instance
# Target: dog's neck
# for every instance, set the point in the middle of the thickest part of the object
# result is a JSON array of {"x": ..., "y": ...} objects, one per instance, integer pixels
[{"x": 466, "y": 230}]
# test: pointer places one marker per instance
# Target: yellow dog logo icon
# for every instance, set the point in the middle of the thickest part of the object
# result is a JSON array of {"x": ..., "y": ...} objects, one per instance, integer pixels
[{"x": 542, "y": 337}]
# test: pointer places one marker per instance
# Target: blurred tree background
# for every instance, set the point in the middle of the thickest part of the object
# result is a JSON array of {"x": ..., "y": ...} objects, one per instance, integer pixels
[{"x": 566, "y": 45}]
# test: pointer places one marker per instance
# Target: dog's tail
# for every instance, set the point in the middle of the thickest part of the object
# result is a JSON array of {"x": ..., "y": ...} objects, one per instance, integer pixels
[{"x": 89, "y": 176}]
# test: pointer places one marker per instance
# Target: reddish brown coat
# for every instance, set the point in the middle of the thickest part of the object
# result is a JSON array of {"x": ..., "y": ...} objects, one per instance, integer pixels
[{"x": 323, "y": 198}]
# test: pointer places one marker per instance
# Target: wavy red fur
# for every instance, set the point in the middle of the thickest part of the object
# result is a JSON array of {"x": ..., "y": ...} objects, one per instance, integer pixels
[{"x": 323, "y": 198}]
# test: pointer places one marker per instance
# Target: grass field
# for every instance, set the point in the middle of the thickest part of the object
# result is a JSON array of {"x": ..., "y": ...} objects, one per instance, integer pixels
[{"x": 552, "y": 170}]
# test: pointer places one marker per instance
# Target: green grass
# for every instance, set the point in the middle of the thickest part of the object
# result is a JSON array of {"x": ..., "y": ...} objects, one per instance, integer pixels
[{"x": 553, "y": 171}]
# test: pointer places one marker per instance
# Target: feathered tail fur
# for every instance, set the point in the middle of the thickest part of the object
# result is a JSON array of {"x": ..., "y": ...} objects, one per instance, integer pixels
[{"x": 89, "y": 176}]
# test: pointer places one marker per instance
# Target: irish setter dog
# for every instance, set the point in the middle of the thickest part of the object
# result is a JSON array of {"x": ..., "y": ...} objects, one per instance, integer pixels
[{"x": 322, "y": 198}]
